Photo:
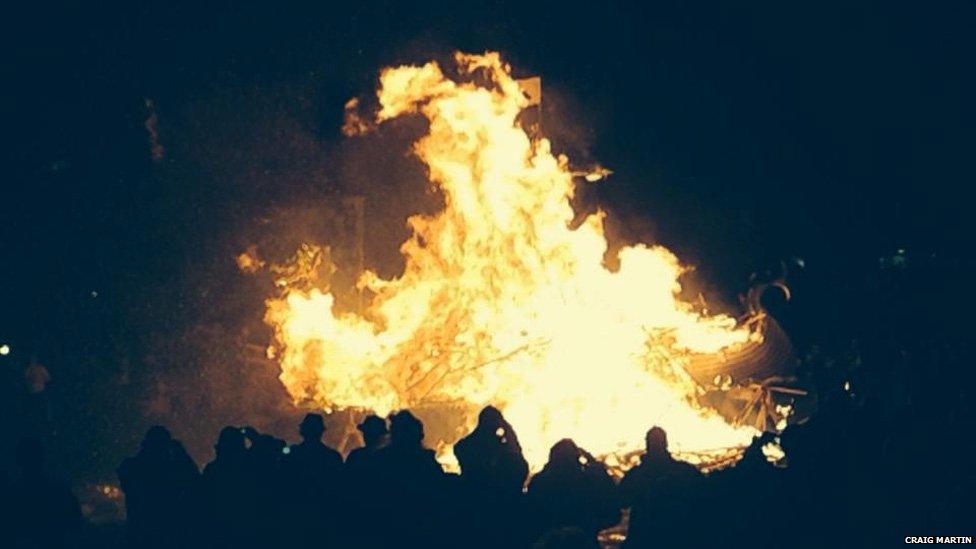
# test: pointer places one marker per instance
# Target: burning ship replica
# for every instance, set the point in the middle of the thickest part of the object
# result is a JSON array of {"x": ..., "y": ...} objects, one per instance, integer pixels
[{"x": 504, "y": 301}]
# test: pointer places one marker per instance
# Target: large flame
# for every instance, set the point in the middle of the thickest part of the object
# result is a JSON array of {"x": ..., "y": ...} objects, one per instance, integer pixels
[{"x": 501, "y": 301}]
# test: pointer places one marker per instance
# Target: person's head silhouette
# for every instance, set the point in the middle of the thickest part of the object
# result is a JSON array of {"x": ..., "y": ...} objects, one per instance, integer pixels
[
  {"x": 490, "y": 418},
  {"x": 656, "y": 442},
  {"x": 564, "y": 454},
  {"x": 312, "y": 427},
  {"x": 373, "y": 429},
  {"x": 406, "y": 429},
  {"x": 157, "y": 440}
]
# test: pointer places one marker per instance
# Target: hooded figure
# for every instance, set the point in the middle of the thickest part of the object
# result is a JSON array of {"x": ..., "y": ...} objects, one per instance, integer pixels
[
  {"x": 161, "y": 488},
  {"x": 491, "y": 457},
  {"x": 574, "y": 490},
  {"x": 230, "y": 489},
  {"x": 493, "y": 473}
]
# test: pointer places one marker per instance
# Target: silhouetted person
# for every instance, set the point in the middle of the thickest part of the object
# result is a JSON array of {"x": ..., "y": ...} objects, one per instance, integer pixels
[
  {"x": 413, "y": 485},
  {"x": 365, "y": 483},
  {"x": 44, "y": 512},
  {"x": 753, "y": 481},
  {"x": 315, "y": 462},
  {"x": 361, "y": 462},
  {"x": 816, "y": 481},
  {"x": 405, "y": 461},
  {"x": 662, "y": 493},
  {"x": 491, "y": 457},
  {"x": 265, "y": 457},
  {"x": 230, "y": 491},
  {"x": 314, "y": 473},
  {"x": 493, "y": 473},
  {"x": 574, "y": 490},
  {"x": 160, "y": 485}
]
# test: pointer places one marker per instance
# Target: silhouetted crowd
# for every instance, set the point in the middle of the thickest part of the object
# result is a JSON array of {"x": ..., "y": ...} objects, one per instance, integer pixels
[{"x": 392, "y": 492}]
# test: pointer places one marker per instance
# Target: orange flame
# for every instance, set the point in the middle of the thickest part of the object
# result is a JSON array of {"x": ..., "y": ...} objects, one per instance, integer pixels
[{"x": 501, "y": 302}]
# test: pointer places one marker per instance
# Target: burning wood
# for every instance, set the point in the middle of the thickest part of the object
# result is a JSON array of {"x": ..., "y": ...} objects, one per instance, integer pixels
[{"x": 501, "y": 301}]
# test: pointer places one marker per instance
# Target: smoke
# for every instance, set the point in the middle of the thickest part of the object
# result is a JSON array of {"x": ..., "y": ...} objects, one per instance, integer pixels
[
  {"x": 259, "y": 171},
  {"x": 156, "y": 150}
]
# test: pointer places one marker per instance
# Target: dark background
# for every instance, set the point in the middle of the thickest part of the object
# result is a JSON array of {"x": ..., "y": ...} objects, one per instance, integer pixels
[{"x": 834, "y": 132}]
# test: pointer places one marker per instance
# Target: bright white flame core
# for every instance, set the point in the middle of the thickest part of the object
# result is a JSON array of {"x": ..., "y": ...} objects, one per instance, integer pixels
[{"x": 502, "y": 303}]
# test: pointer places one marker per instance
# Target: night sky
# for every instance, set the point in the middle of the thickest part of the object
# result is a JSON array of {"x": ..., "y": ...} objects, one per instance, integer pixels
[{"x": 836, "y": 132}]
